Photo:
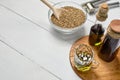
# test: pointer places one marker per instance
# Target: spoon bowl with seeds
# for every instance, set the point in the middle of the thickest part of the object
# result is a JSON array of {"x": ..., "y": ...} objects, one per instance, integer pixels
[{"x": 56, "y": 11}]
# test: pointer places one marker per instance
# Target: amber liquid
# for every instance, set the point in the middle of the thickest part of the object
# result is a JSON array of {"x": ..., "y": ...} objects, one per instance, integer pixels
[
  {"x": 95, "y": 35},
  {"x": 108, "y": 48}
]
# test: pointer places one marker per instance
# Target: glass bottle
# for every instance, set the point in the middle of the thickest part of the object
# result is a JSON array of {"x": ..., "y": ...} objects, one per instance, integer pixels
[
  {"x": 111, "y": 42},
  {"x": 96, "y": 32}
]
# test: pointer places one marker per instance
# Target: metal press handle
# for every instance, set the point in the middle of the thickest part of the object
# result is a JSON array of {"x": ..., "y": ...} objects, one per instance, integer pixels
[
  {"x": 111, "y": 5},
  {"x": 97, "y": 2},
  {"x": 114, "y": 5}
]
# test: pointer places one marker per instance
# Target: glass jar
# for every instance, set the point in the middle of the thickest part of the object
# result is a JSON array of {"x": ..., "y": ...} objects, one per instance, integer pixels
[
  {"x": 111, "y": 42},
  {"x": 84, "y": 58}
]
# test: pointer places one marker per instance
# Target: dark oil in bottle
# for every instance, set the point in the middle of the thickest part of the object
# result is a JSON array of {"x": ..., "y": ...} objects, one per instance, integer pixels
[
  {"x": 95, "y": 35},
  {"x": 108, "y": 48}
]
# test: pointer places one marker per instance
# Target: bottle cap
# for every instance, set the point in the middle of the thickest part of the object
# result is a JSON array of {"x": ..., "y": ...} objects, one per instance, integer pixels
[
  {"x": 102, "y": 13},
  {"x": 104, "y": 6},
  {"x": 114, "y": 29},
  {"x": 115, "y": 26}
]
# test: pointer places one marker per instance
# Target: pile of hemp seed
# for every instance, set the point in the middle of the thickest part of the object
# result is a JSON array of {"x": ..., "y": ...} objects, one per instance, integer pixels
[{"x": 70, "y": 18}]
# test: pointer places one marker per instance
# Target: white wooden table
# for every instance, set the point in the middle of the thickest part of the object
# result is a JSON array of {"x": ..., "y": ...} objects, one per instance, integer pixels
[{"x": 30, "y": 49}]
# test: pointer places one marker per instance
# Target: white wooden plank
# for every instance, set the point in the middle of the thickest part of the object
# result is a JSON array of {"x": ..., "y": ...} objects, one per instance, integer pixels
[
  {"x": 13, "y": 66},
  {"x": 34, "y": 10},
  {"x": 37, "y": 44},
  {"x": 29, "y": 39}
]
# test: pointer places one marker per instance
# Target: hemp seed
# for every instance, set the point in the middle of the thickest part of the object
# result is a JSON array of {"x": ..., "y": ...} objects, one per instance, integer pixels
[{"x": 70, "y": 18}]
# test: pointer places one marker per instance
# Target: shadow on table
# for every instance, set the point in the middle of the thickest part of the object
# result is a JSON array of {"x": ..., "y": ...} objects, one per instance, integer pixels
[{"x": 68, "y": 37}]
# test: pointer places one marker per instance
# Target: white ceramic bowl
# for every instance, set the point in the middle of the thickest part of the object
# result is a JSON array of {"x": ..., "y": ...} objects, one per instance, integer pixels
[{"x": 66, "y": 30}]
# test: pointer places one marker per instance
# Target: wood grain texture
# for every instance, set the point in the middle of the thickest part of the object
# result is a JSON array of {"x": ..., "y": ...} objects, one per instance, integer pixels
[{"x": 105, "y": 70}]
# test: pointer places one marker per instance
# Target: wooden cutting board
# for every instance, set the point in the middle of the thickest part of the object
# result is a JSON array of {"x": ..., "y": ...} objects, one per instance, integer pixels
[{"x": 105, "y": 70}]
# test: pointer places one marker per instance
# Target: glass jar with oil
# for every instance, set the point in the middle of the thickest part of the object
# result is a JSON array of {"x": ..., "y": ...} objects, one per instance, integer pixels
[
  {"x": 111, "y": 42},
  {"x": 96, "y": 33},
  {"x": 84, "y": 58}
]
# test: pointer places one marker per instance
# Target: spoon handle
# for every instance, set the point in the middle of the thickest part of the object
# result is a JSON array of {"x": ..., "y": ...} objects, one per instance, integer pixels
[{"x": 48, "y": 4}]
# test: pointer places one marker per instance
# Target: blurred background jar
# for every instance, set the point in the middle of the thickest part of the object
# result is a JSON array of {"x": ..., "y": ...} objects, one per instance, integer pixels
[{"x": 111, "y": 42}]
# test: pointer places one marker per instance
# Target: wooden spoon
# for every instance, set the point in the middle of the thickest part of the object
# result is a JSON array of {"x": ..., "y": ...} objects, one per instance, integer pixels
[{"x": 56, "y": 11}]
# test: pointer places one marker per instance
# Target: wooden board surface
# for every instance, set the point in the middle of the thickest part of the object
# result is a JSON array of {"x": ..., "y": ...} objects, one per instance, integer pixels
[{"x": 105, "y": 70}]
